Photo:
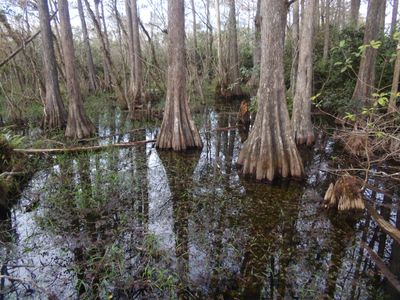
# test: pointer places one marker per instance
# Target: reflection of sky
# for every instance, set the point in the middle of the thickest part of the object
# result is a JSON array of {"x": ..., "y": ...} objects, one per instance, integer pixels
[
  {"x": 161, "y": 220},
  {"x": 43, "y": 259}
]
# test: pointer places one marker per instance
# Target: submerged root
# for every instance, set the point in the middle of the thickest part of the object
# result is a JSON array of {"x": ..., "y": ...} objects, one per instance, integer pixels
[{"x": 345, "y": 194}]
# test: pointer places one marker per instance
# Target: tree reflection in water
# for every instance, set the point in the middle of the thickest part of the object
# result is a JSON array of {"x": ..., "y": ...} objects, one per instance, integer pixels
[{"x": 216, "y": 234}]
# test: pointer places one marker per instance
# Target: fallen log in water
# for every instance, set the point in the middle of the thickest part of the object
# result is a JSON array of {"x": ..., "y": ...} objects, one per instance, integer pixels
[
  {"x": 83, "y": 148},
  {"x": 380, "y": 264},
  {"x": 226, "y": 128},
  {"x": 385, "y": 225}
]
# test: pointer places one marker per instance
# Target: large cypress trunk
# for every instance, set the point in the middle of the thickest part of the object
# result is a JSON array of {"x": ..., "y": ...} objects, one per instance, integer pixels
[
  {"x": 78, "y": 125},
  {"x": 55, "y": 115},
  {"x": 270, "y": 151},
  {"x": 366, "y": 75},
  {"x": 178, "y": 131},
  {"x": 301, "y": 117}
]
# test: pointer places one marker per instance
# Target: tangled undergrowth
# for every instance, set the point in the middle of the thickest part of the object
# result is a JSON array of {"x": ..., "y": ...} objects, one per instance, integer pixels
[{"x": 13, "y": 167}]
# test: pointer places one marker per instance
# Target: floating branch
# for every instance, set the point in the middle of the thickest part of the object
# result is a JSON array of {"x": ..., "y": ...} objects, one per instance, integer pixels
[
  {"x": 385, "y": 225},
  {"x": 380, "y": 264},
  {"x": 83, "y": 149}
]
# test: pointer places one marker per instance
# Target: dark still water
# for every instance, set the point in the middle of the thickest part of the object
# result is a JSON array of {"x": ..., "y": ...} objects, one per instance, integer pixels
[{"x": 139, "y": 223}]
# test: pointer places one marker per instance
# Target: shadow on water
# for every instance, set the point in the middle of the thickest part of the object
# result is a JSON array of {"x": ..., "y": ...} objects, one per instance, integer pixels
[{"x": 138, "y": 223}]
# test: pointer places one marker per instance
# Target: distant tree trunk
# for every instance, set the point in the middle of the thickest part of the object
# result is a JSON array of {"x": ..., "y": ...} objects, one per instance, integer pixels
[
  {"x": 301, "y": 116},
  {"x": 255, "y": 76},
  {"x": 366, "y": 74},
  {"x": 343, "y": 14},
  {"x": 122, "y": 38},
  {"x": 393, "y": 24},
  {"x": 354, "y": 11},
  {"x": 209, "y": 48},
  {"x": 194, "y": 31},
  {"x": 233, "y": 53},
  {"x": 178, "y": 131},
  {"x": 135, "y": 89},
  {"x": 88, "y": 50},
  {"x": 326, "y": 31},
  {"x": 317, "y": 15},
  {"x": 122, "y": 102},
  {"x": 55, "y": 115},
  {"x": 382, "y": 18},
  {"x": 131, "y": 52},
  {"x": 221, "y": 66},
  {"x": 295, "y": 50},
  {"x": 106, "y": 70},
  {"x": 108, "y": 79},
  {"x": 392, "y": 108},
  {"x": 340, "y": 13},
  {"x": 270, "y": 150},
  {"x": 78, "y": 125},
  {"x": 337, "y": 13}
]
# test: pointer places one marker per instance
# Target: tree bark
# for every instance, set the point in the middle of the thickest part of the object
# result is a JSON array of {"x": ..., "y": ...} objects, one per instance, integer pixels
[
  {"x": 122, "y": 102},
  {"x": 55, "y": 115},
  {"x": 326, "y": 31},
  {"x": 317, "y": 15},
  {"x": 78, "y": 126},
  {"x": 88, "y": 50},
  {"x": 301, "y": 117},
  {"x": 392, "y": 108},
  {"x": 255, "y": 76},
  {"x": 221, "y": 66},
  {"x": 122, "y": 37},
  {"x": 131, "y": 52},
  {"x": 393, "y": 24},
  {"x": 135, "y": 89},
  {"x": 366, "y": 74},
  {"x": 194, "y": 31},
  {"x": 295, "y": 50},
  {"x": 354, "y": 11},
  {"x": 233, "y": 53},
  {"x": 106, "y": 69},
  {"x": 270, "y": 150},
  {"x": 178, "y": 131},
  {"x": 382, "y": 18},
  {"x": 209, "y": 49}
]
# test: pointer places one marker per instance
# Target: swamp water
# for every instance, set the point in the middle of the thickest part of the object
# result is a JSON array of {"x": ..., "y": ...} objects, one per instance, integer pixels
[{"x": 139, "y": 223}]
